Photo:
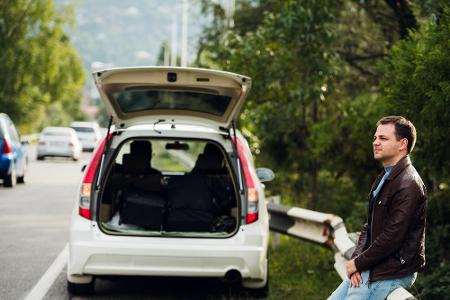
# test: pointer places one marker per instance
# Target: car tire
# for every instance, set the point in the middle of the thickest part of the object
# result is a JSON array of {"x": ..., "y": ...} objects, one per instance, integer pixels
[
  {"x": 21, "y": 179},
  {"x": 40, "y": 158},
  {"x": 10, "y": 180},
  {"x": 81, "y": 288}
]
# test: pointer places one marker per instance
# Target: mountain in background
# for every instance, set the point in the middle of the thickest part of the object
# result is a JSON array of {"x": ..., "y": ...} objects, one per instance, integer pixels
[
  {"x": 115, "y": 33},
  {"x": 119, "y": 33}
]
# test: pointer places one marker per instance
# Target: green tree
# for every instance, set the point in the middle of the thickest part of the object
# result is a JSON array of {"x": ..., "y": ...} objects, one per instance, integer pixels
[
  {"x": 417, "y": 85},
  {"x": 288, "y": 58},
  {"x": 313, "y": 65},
  {"x": 323, "y": 73},
  {"x": 42, "y": 76}
]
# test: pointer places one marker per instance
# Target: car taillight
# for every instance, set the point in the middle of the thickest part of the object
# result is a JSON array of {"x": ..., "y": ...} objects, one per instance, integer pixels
[
  {"x": 86, "y": 186},
  {"x": 6, "y": 148},
  {"x": 252, "y": 193}
]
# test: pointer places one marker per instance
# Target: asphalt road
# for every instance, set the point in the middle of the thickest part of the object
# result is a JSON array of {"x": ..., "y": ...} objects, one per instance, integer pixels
[{"x": 34, "y": 223}]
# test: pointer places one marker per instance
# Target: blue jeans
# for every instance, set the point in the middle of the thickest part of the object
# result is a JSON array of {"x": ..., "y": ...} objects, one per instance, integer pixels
[{"x": 377, "y": 290}]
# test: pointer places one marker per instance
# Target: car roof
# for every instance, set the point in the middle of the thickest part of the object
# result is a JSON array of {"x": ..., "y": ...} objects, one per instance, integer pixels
[
  {"x": 83, "y": 124},
  {"x": 175, "y": 128},
  {"x": 4, "y": 116},
  {"x": 60, "y": 129}
]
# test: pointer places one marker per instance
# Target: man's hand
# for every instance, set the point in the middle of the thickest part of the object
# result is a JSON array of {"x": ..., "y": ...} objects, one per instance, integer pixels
[
  {"x": 353, "y": 274},
  {"x": 350, "y": 267},
  {"x": 355, "y": 280}
]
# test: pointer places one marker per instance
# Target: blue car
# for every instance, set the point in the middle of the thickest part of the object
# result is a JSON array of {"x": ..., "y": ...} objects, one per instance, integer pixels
[{"x": 13, "y": 154}]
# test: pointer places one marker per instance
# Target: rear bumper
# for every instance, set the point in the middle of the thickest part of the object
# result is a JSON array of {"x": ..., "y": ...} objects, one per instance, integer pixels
[
  {"x": 91, "y": 252},
  {"x": 88, "y": 144},
  {"x": 67, "y": 153},
  {"x": 5, "y": 164}
]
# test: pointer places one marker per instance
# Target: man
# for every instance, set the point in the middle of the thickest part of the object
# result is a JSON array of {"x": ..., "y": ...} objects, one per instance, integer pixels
[{"x": 391, "y": 247}]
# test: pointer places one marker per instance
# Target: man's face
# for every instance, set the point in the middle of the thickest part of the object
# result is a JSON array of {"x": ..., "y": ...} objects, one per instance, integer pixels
[{"x": 386, "y": 148}]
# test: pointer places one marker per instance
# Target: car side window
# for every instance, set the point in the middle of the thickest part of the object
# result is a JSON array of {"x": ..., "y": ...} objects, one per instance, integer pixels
[
  {"x": 1, "y": 129},
  {"x": 13, "y": 132}
]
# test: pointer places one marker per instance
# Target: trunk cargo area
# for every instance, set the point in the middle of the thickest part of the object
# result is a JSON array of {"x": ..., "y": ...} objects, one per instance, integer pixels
[{"x": 164, "y": 187}]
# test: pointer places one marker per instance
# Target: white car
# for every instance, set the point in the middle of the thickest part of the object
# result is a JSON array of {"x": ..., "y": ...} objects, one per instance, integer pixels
[
  {"x": 58, "y": 141},
  {"x": 170, "y": 193},
  {"x": 88, "y": 133}
]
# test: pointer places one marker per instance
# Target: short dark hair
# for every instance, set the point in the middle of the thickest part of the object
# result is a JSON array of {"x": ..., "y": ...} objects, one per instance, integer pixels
[{"x": 404, "y": 129}]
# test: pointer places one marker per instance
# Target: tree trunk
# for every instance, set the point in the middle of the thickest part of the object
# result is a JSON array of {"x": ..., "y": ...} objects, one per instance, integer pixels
[{"x": 405, "y": 17}]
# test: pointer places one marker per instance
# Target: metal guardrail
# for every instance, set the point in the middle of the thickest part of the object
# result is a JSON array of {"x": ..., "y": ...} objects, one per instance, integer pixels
[
  {"x": 29, "y": 138},
  {"x": 327, "y": 230}
]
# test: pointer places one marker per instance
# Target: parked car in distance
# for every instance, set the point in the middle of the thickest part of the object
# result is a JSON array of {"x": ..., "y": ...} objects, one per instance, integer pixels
[
  {"x": 88, "y": 133},
  {"x": 13, "y": 155},
  {"x": 174, "y": 190},
  {"x": 58, "y": 141}
]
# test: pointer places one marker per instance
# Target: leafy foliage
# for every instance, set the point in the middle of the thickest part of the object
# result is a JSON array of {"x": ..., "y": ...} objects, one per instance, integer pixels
[
  {"x": 323, "y": 73},
  {"x": 41, "y": 76},
  {"x": 288, "y": 58},
  {"x": 417, "y": 84}
]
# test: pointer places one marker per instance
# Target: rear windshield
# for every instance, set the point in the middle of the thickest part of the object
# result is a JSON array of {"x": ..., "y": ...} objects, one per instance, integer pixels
[
  {"x": 134, "y": 101},
  {"x": 168, "y": 156},
  {"x": 57, "y": 133},
  {"x": 83, "y": 129}
]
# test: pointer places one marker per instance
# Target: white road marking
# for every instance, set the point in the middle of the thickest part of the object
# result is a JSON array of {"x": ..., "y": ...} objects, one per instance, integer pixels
[{"x": 41, "y": 288}]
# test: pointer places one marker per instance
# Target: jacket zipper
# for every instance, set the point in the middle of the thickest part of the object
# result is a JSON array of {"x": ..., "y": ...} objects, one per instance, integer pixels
[
  {"x": 371, "y": 237},
  {"x": 400, "y": 258},
  {"x": 371, "y": 223}
]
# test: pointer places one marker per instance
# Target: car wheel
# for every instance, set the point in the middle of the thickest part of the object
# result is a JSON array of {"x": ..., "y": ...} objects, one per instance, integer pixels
[
  {"x": 40, "y": 158},
  {"x": 10, "y": 180},
  {"x": 81, "y": 288},
  {"x": 21, "y": 179}
]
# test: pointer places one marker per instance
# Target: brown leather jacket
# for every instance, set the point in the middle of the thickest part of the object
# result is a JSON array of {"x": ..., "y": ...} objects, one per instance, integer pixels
[{"x": 395, "y": 245}]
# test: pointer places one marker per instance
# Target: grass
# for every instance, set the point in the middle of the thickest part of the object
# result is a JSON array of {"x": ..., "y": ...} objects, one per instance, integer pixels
[{"x": 300, "y": 270}]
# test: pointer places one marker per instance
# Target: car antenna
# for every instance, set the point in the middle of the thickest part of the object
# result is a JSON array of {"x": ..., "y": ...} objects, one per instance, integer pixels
[
  {"x": 238, "y": 163},
  {"x": 108, "y": 141}
]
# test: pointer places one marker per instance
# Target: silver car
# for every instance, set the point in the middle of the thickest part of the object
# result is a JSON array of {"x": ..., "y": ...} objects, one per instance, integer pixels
[
  {"x": 58, "y": 141},
  {"x": 88, "y": 133}
]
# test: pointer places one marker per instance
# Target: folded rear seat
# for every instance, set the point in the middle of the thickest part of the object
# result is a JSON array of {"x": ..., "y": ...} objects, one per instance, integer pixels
[
  {"x": 141, "y": 200},
  {"x": 189, "y": 204}
]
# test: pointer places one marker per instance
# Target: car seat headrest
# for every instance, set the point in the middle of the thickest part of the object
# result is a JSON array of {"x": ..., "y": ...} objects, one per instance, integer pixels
[
  {"x": 210, "y": 161},
  {"x": 141, "y": 148},
  {"x": 133, "y": 164}
]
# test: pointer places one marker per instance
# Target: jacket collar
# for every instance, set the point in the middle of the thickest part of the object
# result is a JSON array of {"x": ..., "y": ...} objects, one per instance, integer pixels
[
  {"x": 375, "y": 183},
  {"x": 399, "y": 167}
]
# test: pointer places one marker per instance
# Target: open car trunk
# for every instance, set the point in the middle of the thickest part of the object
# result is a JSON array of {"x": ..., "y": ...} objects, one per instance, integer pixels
[{"x": 161, "y": 187}]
